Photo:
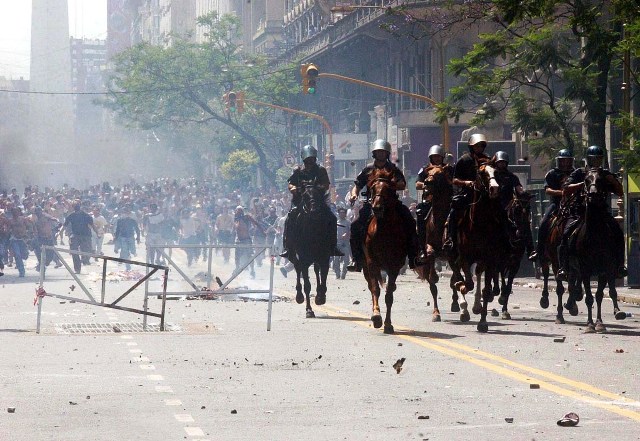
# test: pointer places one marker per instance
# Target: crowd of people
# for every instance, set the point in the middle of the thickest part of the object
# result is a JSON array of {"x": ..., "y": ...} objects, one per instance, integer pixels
[{"x": 163, "y": 211}]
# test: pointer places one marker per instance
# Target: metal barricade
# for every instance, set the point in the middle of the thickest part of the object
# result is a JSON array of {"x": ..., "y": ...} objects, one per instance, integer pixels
[
  {"x": 222, "y": 286},
  {"x": 41, "y": 293}
]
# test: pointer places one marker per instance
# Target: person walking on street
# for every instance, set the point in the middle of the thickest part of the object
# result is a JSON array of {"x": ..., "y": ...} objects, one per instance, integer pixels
[
  {"x": 79, "y": 225},
  {"x": 19, "y": 232},
  {"x": 344, "y": 236},
  {"x": 126, "y": 228}
]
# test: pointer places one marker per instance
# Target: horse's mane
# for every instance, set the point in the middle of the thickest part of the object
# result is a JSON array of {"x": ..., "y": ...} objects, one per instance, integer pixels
[{"x": 380, "y": 173}]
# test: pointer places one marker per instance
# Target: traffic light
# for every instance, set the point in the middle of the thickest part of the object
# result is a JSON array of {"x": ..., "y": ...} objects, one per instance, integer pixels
[
  {"x": 309, "y": 77},
  {"x": 232, "y": 101}
]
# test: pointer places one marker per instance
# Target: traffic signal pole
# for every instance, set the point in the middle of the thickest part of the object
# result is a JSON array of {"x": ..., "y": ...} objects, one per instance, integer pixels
[{"x": 445, "y": 123}]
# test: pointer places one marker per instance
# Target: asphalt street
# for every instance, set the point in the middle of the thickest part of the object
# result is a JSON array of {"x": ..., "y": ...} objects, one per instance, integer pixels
[{"x": 218, "y": 374}]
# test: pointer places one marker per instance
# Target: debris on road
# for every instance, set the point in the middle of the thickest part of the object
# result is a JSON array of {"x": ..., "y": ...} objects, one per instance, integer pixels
[
  {"x": 509, "y": 420},
  {"x": 356, "y": 302},
  {"x": 73, "y": 403},
  {"x": 619, "y": 351},
  {"x": 398, "y": 364},
  {"x": 569, "y": 420},
  {"x": 423, "y": 417},
  {"x": 559, "y": 340},
  {"x": 534, "y": 386},
  {"x": 233, "y": 411},
  {"x": 11, "y": 409},
  {"x": 494, "y": 313}
]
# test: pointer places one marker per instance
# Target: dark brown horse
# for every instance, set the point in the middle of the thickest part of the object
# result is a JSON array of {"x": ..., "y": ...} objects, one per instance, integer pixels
[
  {"x": 312, "y": 246},
  {"x": 481, "y": 242},
  {"x": 385, "y": 246},
  {"x": 518, "y": 213},
  {"x": 438, "y": 184},
  {"x": 592, "y": 245}
]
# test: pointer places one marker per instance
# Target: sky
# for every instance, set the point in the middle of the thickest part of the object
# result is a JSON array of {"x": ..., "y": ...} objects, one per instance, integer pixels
[{"x": 87, "y": 18}]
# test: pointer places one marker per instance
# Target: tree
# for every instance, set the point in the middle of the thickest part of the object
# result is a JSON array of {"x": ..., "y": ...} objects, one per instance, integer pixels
[
  {"x": 239, "y": 168},
  {"x": 182, "y": 85},
  {"x": 548, "y": 64}
]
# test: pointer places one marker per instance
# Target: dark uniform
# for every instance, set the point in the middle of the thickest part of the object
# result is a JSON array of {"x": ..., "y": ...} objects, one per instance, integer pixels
[
  {"x": 318, "y": 174},
  {"x": 359, "y": 227},
  {"x": 466, "y": 169},
  {"x": 508, "y": 182},
  {"x": 554, "y": 179}
]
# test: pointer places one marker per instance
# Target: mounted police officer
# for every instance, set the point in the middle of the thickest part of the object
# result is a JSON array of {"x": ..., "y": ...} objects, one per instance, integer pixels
[
  {"x": 464, "y": 176},
  {"x": 310, "y": 171},
  {"x": 381, "y": 151},
  {"x": 554, "y": 180},
  {"x": 509, "y": 184},
  {"x": 575, "y": 182},
  {"x": 436, "y": 159}
]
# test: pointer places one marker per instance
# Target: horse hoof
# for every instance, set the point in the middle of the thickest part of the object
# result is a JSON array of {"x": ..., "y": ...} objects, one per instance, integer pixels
[
  {"x": 455, "y": 307},
  {"x": 463, "y": 290},
  {"x": 506, "y": 315},
  {"x": 483, "y": 327},
  {"x": 621, "y": 315},
  {"x": 465, "y": 317},
  {"x": 573, "y": 309},
  {"x": 321, "y": 299},
  {"x": 477, "y": 309},
  {"x": 436, "y": 318},
  {"x": 560, "y": 321},
  {"x": 600, "y": 327},
  {"x": 544, "y": 302},
  {"x": 458, "y": 285},
  {"x": 591, "y": 329},
  {"x": 311, "y": 314},
  {"x": 579, "y": 296},
  {"x": 500, "y": 300},
  {"x": 377, "y": 321},
  {"x": 388, "y": 329},
  {"x": 300, "y": 298}
]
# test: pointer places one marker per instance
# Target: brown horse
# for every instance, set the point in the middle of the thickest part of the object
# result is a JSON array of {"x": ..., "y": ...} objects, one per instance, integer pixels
[
  {"x": 481, "y": 241},
  {"x": 438, "y": 184},
  {"x": 385, "y": 246}
]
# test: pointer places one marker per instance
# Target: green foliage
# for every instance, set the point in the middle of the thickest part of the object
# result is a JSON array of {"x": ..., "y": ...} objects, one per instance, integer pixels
[
  {"x": 180, "y": 87},
  {"x": 239, "y": 168},
  {"x": 548, "y": 64},
  {"x": 282, "y": 176}
]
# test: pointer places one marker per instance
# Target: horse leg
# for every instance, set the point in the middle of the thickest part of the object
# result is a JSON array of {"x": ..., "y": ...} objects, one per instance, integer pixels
[
  {"x": 299, "y": 295},
  {"x": 559, "y": 293},
  {"x": 477, "y": 299},
  {"x": 307, "y": 292},
  {"x": 388, "y": 300},
  {"x": 373, "y": 277},
  {"x": 544, "y": 300},
  {"x": 321, "y": 283},
  {"x": 575, "y": 291},
  {"x": 602, "y": 282},
  {"x": 613, "y": 294},
  {"x": 591, "y": 327},
  {"x": 483, "y": 326},
  {"x": 433, "y": 287},
  {"x": 505, "y": 297}
]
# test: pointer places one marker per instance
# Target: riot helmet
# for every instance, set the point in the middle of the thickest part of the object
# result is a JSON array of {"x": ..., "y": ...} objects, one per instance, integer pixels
[
  {"x": 477, "y": 138},
  {"x": 436, "y": 150},
  {"x": 308, "y": 151},
  {"x": 595, "y": 156},
  {"x": 502, "y": 156},
  {"x": 380, "y": 145},
  {"x": 564, "y": 160}
]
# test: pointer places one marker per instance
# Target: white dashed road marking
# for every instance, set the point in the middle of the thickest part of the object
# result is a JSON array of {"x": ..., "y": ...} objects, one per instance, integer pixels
[
  {"x": 184, "y": 418},
  {"x": 194, "y": 431}
]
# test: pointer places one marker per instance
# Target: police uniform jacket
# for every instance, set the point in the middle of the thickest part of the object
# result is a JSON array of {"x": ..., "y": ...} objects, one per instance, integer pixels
[{"x": 363, "y": 177}]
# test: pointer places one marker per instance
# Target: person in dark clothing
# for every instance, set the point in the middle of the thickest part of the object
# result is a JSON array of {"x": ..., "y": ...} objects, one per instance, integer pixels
[
  {"x": 464, "y": 177},
  {"x": 126, "y": 229},
  {"x": 380, "y": 150},
  {"x": 575, "y": 182},
  {"x": 79, "y": 225},
  {"x": 309, "y": 172},
  {"x": 553, "y": 182}
]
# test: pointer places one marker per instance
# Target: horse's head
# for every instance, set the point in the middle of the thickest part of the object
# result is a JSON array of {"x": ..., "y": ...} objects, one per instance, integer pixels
[
  {"x": 486, "y": 181},
  {"x": 437, "y": 180},
  {"x": 595, "y": 187},
  {"x": 382, "y": 187},
  {"x": 312, "y": 197},
  {"x": 519, "y": 211}
]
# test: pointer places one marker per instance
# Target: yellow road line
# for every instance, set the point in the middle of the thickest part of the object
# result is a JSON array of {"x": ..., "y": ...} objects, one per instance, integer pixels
[{"x": 471, "y": 355}]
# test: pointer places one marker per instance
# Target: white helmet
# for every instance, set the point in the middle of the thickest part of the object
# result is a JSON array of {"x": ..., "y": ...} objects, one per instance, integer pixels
[
  {"x": 380, "y": 145},
  {"x": 436, "y": 150}
]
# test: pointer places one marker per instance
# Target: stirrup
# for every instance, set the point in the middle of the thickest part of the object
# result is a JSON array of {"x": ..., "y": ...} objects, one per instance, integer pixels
[
  {"x": 284, "y": 254},
  {"x": 562, "y": 275},
  {"x": 354, "y": 267},
  {"x": 621, "y": 272},
  {"x": 447, "y": 245},
  {"x": 533, "y": 256}
]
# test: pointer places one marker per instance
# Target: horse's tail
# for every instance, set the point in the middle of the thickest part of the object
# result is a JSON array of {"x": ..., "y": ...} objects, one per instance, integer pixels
[
  {"x": 422, "y": 272},
  {"x": 379, "y": 280}
]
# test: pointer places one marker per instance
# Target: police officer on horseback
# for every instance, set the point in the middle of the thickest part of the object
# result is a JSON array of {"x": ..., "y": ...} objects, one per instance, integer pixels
[
  {"x": 575, "y": 182},
  {"x": 509, "y": 185},
  {"x": 381, "y": 151},
  {"x": 464, "y": 176},
  {"x": 309, "y": 172},
  {"x": 436, "y": 159},
  {"x": 554, "y": 181}
]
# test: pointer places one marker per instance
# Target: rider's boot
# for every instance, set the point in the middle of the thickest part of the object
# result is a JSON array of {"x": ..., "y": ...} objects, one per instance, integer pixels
[
  {"x": 357, "y": 253},
  {"x": 562, "y": 260},
  {"x": 449, "y": 245},
  {"x": 621, "y": 272}
]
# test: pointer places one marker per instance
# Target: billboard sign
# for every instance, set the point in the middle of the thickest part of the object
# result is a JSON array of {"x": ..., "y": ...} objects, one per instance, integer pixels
[{"x": 350, "y": 146}]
